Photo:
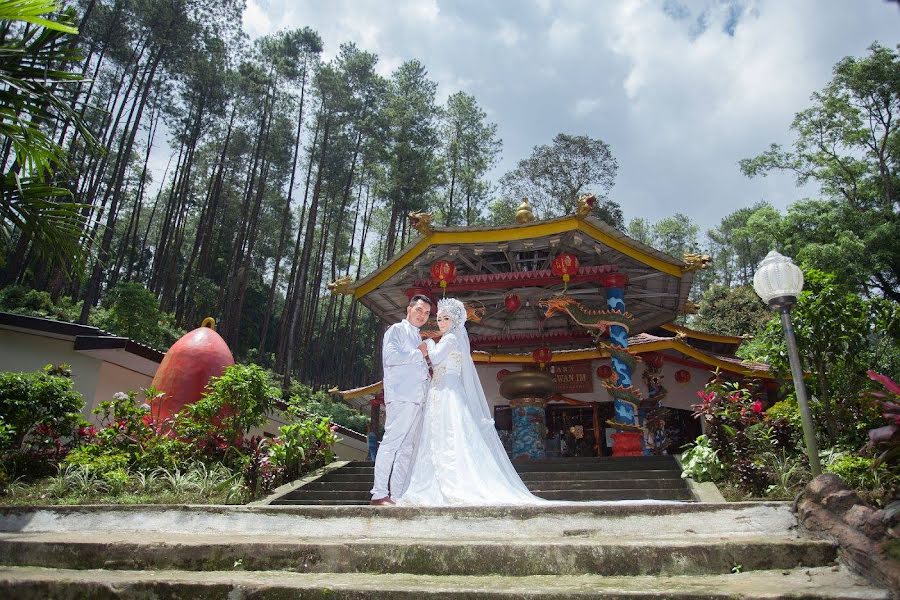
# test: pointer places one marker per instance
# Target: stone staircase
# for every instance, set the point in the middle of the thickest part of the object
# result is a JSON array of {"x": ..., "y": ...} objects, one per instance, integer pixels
[
  {"x": 576, "y": 479},
  {"x": 679, "y": 551}
]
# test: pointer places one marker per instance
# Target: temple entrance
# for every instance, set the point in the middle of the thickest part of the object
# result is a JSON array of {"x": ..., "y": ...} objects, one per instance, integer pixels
[{"x": 570, "y": 431}]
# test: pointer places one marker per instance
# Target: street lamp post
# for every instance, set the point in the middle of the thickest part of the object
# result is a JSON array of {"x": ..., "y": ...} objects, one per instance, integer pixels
[{"x": 778, "y": 281}]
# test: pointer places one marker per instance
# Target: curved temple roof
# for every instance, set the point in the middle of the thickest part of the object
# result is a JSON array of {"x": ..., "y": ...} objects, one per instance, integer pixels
[{"x": 492, "y": 262}]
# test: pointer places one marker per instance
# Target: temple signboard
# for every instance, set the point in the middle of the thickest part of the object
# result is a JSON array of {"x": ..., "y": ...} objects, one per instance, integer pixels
[{"x": 573, "y": 378}]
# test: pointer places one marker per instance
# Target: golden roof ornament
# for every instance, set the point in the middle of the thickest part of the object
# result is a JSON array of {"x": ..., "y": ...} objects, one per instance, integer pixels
[
  {"x": 695, "y": 262},
  {"x": 421, "y": 222},
  {"x": 341, "y": 285},
  {"x": 585, "y": 205},
  {"x": 523, "y": 213}
]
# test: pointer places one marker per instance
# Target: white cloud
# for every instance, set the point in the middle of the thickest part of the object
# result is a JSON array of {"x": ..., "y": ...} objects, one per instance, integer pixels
[
  {"x": 256, "y": 20},
  {"x": 508, "y": 34},
  {"x": 586, "y": 106},
  {"x": 679, "y": 98}
]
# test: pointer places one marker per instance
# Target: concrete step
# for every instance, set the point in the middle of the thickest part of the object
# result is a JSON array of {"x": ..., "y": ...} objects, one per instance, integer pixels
[
  {"x": 350, "y": 496},
  {"x": 341, "y": 475},
  {"x": 533, "y": 484},
  {"x": 584, "y": 556},
  {"x": 598, "y": 475},
  {"x": 574, "y": 460},
  {"x": 624, "y": 520},
  {"x": 640, "y": 463},
  {"x": 826, "y": 583}
]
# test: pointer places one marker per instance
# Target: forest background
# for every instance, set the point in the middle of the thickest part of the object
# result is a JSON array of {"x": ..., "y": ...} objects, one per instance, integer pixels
[{"x": 288, "y": 171}]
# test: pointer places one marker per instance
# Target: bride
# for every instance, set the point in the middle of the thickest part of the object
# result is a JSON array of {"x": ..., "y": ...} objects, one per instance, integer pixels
[{"x": 460, "y": 459}]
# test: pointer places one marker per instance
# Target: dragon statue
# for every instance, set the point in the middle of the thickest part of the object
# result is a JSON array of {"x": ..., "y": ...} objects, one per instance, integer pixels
[
  {"x": 421, "y": 222},
  {"x": 341, "y": 285},
  {"x": 627, "y": 397},
  {"x": 589, "y": 318},
  {"x": 695, "y": 262},
  {"x": 585, "y": 205}
]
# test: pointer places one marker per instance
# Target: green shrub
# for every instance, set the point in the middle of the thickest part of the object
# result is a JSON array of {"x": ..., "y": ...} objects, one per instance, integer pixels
[
  {"x": 701, "y": 462},
  {"x": 858, "y": 472},
  {"x": 37, "y": 403},
  {"x": 236, "y": 402},
  {"x": 41, "y": 413},
  {"x": 305, "y": 401},
  {"x": 22, "y": 300},
  {"x": 131, "y": 310},
  {"x": 302, "y": 447}
]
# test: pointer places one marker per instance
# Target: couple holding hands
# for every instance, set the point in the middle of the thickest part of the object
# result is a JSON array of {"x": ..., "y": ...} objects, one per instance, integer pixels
[{"x": 440, "y": 447}]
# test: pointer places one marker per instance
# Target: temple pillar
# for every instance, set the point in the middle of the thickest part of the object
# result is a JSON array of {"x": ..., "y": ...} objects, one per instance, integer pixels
[
  {"x": 529, "y": 428},
  {"x": 626, "y": 442}
]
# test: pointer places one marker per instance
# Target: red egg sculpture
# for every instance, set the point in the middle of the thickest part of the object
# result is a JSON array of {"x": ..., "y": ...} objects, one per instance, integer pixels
[
  {"x": 186, "y": 369},
  {"x": 604, "y": 372},
  {"x": 502, "y": 374}
]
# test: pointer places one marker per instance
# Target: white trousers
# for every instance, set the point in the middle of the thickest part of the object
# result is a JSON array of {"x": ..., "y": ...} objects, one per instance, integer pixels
[{"x": 402, "y": 424}]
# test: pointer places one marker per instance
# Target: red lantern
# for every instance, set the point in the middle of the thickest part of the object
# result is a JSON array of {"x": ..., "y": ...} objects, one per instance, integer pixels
[
  {"x": 565, "y": 265},
  {"x": 542, "y": 356},
  {"x": 512, "y": 303},
  {"x": 614, "y": 280},
  {"x": 502, "y": 374},
  {"x": 682, "y": 376},
  {"x": 604, "y": 371},
  {"x": 443, "y": 271},
  {"x": 654, "y": 360}
]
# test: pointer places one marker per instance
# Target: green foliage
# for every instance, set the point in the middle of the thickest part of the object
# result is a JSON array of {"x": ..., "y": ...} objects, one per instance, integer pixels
[
  {"x": 33, "y": 81},
  {"x": 701, "y": 461},
  {"x": 744, "y": 446},
  {"x": 237, "y": 401},
  {"x": 22, "y": 300},
  {"x": 839, "y": 335},
  {"x": 731, "y": 311},
  {"x": 556, "y": 175},
  {"x": 859, "y": 472},
  {"x": 848, "y": 144},
  {"x": 131, "y": 310},
  {"x": 303, "y": 446},
  {"x": 37, "y": 407},
  {"x": 305, "y": 401}
]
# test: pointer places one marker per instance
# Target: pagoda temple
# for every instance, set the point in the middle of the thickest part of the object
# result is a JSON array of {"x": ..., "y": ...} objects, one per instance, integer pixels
[{"x": 572, "y": 328}]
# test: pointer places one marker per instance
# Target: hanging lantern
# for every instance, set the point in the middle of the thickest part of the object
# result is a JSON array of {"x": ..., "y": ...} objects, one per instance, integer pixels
[
  {"x": 682, "y": 376},
  {"x": 512, "y": 303},
  {"x": 502, "y": 374},
  {"x": 542, "y": 356},
  {"x": 444, "y": 272},
  {"x": 614, "y": 280},
  {"x": 565, "y": 265},
  {"x": 604, "y": 372},
  {"x": 654, "y": 360}
]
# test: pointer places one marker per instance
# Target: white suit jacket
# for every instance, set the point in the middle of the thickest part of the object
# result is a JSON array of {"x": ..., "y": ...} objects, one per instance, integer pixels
[{"x": 405, "y": 369}]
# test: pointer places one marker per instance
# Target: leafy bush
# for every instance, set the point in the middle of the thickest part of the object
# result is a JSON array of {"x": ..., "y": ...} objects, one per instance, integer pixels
[
  {"x": 304, "y": 402},
  {"x": 131, "y": 310},
  {"x": 41, "y": 413},
  {"x": 303, "y": 446},
  {"x": 701, "y": 462},
  {"x": 236, "y": 402},
  {"x": 23, "y": 300},
  {"x": 858, "y": 472}
]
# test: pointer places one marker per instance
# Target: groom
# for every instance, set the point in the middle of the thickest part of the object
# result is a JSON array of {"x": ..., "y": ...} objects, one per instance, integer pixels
[{"x": 405, "y": 385}]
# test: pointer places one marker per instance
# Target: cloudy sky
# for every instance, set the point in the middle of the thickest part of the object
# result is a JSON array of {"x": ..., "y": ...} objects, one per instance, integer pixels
[{"x": 680, "y": 89}]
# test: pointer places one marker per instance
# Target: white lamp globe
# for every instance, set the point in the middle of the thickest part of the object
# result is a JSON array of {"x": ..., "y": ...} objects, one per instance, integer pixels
[{"x": 777, "y": 276}]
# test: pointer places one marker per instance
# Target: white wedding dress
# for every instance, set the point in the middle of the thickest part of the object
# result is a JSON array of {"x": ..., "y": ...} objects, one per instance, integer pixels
[{"x": 460, "y": 460}]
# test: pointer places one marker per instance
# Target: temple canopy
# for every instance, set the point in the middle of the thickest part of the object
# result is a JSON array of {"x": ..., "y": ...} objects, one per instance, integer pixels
[{"x": 492, "y": 263}]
